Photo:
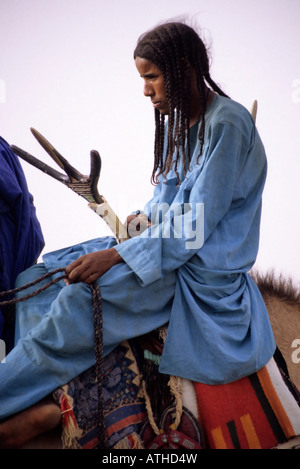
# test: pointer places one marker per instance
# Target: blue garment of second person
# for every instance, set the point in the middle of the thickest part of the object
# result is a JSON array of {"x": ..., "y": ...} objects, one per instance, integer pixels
[{"x": 21, "y": 238}]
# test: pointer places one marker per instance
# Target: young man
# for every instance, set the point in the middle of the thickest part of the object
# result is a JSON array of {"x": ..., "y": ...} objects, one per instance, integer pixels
[{"x": 188, "y": 269}]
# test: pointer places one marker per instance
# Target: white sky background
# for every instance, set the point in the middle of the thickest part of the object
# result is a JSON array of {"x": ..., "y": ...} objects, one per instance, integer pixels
[{"x": 66, "y": 68}]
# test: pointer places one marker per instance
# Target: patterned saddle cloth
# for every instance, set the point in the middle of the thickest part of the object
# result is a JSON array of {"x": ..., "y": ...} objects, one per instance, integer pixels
[{"x": 259, "y": 411}]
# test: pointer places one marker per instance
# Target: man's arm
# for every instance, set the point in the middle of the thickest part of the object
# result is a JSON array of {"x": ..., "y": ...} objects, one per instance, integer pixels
[{"x": 90, "y": 267}]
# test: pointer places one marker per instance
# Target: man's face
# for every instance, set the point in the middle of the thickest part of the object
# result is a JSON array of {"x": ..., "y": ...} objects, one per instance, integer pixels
[{"x": 154, "y": 86}]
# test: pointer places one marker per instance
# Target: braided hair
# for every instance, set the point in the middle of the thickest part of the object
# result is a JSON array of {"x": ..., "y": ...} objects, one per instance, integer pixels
[{"x": 175, "y": 48}]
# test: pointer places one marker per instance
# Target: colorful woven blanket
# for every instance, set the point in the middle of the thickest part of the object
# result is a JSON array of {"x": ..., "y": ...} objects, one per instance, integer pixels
[
  {"x": 123, "y": 406},
  {"x": 259, "y": 411},
  {"x": 256, "y": 412}
]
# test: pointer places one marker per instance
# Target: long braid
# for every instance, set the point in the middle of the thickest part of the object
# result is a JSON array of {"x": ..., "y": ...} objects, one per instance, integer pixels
[
  {"x": 175, "y": 49},
  {"x": 169, "y": 70},
  {"x": 214, "y": 86},
  {"x": 158, "y": 147},
  {"x": 180, "y": 102}
]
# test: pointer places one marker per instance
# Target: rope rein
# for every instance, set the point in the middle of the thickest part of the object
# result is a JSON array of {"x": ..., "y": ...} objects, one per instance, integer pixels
[
  {"x": 98, "y": 335},
  {"x": 31, "y": 284}
]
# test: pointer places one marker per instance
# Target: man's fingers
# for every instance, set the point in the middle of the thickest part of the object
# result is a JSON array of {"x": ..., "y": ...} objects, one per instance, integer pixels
[
  {"x": 89, "y": 267},
  {"x": 137, "y": 225},
  {"x": 77, "y": 275},
  {"x": 73, "y": 266},
  {"x": 78, "y": 271}
]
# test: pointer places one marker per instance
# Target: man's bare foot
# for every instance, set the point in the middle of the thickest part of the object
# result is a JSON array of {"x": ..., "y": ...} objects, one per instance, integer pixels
[{"x": 26, "y": 425}]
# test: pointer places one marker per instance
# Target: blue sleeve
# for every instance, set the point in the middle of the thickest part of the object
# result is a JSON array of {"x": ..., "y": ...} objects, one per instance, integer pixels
[{"x": 204, "y": 198}]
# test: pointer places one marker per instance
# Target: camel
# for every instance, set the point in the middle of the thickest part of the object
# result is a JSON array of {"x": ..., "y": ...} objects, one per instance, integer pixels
[{"x": 282, "y": 299}]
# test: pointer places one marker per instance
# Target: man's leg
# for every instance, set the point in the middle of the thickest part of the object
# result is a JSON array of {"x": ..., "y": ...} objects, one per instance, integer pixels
[
  {"x": 61, "y": 345},
  {"x": 59, "y": 348}
]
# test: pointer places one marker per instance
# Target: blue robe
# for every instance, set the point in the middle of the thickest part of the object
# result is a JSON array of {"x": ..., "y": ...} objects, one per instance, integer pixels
[
  {"x": 21, "y": 240},
  {"x": 189, "y": 269}
]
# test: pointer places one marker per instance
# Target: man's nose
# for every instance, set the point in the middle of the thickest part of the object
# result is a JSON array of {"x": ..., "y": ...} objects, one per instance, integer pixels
[{"x": 148, "y": 90}]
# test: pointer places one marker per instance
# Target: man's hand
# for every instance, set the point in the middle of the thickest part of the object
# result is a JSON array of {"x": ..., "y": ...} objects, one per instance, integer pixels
[
  {"x": 136, "y": 224},
  {"x": 90, "y": 267}
]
